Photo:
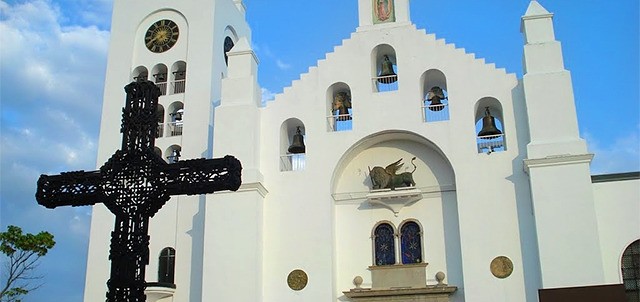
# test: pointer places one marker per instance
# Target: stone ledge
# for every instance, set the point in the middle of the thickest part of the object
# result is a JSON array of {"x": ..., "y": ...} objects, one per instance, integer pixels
[{"x": 437, "y": 290}]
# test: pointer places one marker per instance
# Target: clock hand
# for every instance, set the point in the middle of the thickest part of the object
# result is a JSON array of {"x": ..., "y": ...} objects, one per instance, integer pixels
[{"x": 155, "y": 37}]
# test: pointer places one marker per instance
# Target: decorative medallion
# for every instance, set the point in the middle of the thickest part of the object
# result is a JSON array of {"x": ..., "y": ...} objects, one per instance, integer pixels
[
  {"x": 383, "y": 11},
  {"x": 501, "y": 267},
  {"x": 297, "y": 279},
  {"x": 161, "y": 36}
]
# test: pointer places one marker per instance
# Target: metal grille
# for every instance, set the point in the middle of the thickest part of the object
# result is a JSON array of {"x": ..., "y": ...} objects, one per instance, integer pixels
[{"x": 631, "y": 271}]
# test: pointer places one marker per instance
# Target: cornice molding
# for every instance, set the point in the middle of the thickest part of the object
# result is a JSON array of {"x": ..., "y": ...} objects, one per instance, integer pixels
[{"x": 558, "y": 160}]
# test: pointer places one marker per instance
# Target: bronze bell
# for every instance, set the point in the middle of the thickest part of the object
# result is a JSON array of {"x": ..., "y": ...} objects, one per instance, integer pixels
[
  {"x": 434, "y": 96},
  {"x": 387, "y": 74},
  {"x": 488, "y": 126},
  {"x": 297, "y": 146}
]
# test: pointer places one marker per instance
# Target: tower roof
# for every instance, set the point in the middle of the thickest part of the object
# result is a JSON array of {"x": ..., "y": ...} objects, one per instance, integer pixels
[{"x": 536, "y": 9}]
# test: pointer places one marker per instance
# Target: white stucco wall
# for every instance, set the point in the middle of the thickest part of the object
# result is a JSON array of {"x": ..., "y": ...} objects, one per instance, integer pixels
[
  {"x": 475, "y": 206},
  {"x": 180, "y": 223},
  {"x": 618, "y": 213},
  {"x": 493, "y": 211}
]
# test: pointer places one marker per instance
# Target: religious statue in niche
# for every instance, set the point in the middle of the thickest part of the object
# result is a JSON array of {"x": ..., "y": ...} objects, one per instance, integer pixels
[
  {"x": 342, "y": 103},
  {"x": 383, "y": 11},
  {"x": 386, "y": 178}
]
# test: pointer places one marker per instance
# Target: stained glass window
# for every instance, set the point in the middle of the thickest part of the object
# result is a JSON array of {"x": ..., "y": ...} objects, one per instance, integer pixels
[
  {"x": 384, "y": 242},
  {"x": 411, "y": 243},
  {"x": 167, "y": 265},
  {"x": 631, "y": 271}
]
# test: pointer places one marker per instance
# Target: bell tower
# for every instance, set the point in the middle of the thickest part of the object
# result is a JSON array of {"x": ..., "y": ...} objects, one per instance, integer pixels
[
  {"x": 557, "y": 162},
  {"x": 182, "y": 47}
]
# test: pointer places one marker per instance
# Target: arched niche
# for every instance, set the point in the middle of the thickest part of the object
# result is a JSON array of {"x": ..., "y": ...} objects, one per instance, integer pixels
[
  {"x": 140, "y": 73},
  {"x": 436, "y": 212},
  {"x": 489, "y": 113},
  {"x": 433, "y": 170},
  {"x": 291, "y": 160},
  {"x": 157, "y": 151},
  {"x": 172, "y": 154},
  {"x": 230, "y": 40},
  {"x": 384, "y": 68},
  {"x": 178, "y": 77},
  {"x": 435, "y": 96},
  {"x": 339, "y": 107},
  {"x": 160, "y": 77},
  {"x": 176, "y": 116}
]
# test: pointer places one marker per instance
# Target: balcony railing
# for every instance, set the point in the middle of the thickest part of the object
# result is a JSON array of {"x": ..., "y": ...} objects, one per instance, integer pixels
[
  {"x": 292, "y": 162},
  {"x": 175, "y": 128},
  {"x": 490, "y": 143},
  {"x": 340, "y": 122},
  {"x": 385, "y": 83},
  {"x": 163, "y": 87},
  {"x": 160, "y": 130},
  {"x": 179, "y": 86},
  {"x": 435, "y": 113}
]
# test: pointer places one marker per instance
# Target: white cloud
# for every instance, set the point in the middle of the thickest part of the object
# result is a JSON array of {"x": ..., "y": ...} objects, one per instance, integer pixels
[
  {"x": 267, "y": 95},
  {"x": 282, "y": 65},
  {"x": 621, "y": 156},
  {"x": 52, "y": 71},
  {"x": 266, "y": 51}
]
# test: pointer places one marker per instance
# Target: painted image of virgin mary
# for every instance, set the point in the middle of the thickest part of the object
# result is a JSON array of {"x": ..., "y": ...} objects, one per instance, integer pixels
[{"x": 383, "y": 9}]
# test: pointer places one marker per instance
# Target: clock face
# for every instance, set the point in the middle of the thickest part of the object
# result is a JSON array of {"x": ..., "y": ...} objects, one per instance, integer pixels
[{"x": 161, "y": 36}]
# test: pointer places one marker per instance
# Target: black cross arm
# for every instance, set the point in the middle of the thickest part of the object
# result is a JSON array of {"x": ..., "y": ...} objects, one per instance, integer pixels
[
  {"x": 77, "y": 188},
  {"x": 201, "y": 176}
]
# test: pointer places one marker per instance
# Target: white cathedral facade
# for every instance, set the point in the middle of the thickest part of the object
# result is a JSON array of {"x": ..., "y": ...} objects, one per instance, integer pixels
[{"x": 419, "y": 173}]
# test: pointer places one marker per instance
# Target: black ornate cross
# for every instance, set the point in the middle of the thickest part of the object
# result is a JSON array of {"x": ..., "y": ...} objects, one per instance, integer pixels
[{"x": 134, "y": 184}]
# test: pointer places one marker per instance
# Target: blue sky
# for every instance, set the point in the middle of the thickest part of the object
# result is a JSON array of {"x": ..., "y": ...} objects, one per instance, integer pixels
[{"x": 53, "y": 60}]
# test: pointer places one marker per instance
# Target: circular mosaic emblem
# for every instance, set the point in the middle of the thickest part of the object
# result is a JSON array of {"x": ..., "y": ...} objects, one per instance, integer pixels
[
  {"x": 297, "y": 279},
  {"x": 501, "y": 267}
]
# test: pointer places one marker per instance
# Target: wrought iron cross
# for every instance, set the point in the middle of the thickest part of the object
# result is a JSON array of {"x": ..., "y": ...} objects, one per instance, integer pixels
[{"x": 134, "y": 184}]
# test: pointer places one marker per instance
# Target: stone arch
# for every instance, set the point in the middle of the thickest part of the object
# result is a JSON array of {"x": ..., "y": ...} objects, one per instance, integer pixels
[
  {"x": 436, "y": 211},
  {"x": 410, "y": 143},
  {"x": 230, "y": 39},
  {"x": 160, "y": 77},
  {"x": 178, "y": 77},
  {"x": 140, "y": 73},
  {"x": 172, "y": 154}
]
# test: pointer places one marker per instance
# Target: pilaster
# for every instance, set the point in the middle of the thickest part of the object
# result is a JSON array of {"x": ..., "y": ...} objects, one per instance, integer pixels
[
  {"x": 548, "y": 89},
  {"x": 232, "y": 266},
  {"x": 558, "y": 163}
]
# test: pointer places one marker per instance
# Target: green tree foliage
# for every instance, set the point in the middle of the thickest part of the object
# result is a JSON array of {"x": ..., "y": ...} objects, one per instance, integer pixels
[{"x": 22, "y": 252}]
